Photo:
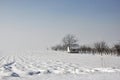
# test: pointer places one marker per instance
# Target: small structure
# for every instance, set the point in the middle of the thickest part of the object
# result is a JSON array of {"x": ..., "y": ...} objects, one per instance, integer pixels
[{"x": 73, "y": 48}]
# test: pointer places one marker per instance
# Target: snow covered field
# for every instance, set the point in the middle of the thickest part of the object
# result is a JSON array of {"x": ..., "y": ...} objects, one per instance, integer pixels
[{"x": 50, "y": 65}]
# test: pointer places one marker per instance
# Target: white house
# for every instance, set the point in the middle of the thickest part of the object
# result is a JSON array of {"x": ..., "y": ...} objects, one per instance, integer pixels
[{"x": 73, "y": 48}]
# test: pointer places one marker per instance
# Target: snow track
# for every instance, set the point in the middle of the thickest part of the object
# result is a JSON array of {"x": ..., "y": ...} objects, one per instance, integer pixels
[{"x": 20, "y": 66}]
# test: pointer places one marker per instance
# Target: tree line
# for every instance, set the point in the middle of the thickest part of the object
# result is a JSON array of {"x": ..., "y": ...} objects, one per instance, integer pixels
[{"x": 97, "y": 48}]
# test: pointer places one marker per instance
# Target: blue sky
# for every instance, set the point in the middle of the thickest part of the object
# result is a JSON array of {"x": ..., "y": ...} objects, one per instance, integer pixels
[{"x": 34, "y": 24}]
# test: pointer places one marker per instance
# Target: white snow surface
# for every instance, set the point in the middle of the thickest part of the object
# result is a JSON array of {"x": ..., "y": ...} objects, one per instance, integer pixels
[{"x": 55, "y": 65}]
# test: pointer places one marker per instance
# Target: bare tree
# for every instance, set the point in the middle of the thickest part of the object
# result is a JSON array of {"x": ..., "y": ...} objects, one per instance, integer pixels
[
  {"x": 117, "y": 48},
  {"x": 69, "y": 40},
  {"x": 101, "y": 47},
  {"x": 85, "y": 49}
]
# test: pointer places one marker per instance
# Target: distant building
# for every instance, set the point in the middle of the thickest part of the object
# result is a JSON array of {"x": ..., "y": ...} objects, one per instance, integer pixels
[{"x": 73, "y": 48}]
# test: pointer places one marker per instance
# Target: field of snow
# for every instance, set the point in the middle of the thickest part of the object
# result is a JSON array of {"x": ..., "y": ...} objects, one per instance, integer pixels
[{"x": 50, "y": 65}]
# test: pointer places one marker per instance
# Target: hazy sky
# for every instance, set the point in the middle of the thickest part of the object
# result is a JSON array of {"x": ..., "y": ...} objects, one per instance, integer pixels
[{"x": 37, "y": 24}]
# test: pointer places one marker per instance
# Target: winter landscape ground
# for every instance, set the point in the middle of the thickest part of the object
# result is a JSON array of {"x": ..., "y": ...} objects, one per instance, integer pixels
[{"x": 51, "y": 65}]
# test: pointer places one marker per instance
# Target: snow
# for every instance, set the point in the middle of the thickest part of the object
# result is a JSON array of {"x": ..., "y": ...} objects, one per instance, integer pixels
[{"x": 55, "y": 65}]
